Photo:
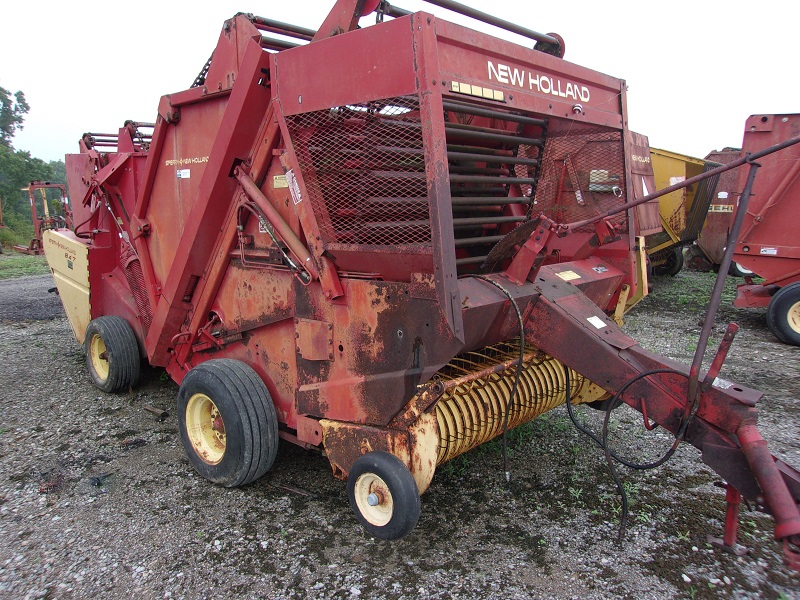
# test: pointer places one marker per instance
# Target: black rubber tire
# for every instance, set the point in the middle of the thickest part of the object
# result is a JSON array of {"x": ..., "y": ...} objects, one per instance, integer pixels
[
  {"x": 673, "y": 264},
  {"x": 736, "y": 270},
  {"x": 402, "y": 506},
  {"x": 112, "y": 354},
  {"x": 783, "y": 314},
  {"x": 249, "y": 421}
]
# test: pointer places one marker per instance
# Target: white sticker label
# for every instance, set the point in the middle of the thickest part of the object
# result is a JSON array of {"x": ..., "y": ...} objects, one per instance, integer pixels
[
  {"x": 722, "y": 195},
  {"x": 770, "y": 251},
  {"x": 597, "y": 322},
  {"x": 599, "y": 269},
  {"x": 722, "y": 383},
  {"x": 293, "y": 187},
  {"x": 676, "y": 180},
  {"x": 184, "y": 173}
]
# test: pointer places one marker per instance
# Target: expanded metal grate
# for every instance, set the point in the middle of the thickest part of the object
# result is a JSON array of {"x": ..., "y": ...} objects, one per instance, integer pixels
[
  {"x": 582, "y": 175},
  {"x": 364, "y": 171}
]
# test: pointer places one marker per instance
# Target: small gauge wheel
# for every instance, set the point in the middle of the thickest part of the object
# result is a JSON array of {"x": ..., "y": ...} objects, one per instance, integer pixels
[{"x": 383, "y": 495}]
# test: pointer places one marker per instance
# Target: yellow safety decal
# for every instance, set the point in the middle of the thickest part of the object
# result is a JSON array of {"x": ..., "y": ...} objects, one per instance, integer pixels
[
  {"x": 476, "y": 90},
  {"x": 568, "y": 275}
]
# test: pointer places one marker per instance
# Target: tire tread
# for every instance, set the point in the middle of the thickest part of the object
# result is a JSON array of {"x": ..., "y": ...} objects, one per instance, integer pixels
[
  {"x": 256, "y": 412},
  {"x": 124, "y": 363}
]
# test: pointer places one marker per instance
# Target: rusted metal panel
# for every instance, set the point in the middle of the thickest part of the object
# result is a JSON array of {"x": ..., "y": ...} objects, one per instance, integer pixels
[
  {"x": 415, "y": 446},
  {"x": 314, "y": 339},
  {"x": 385, "y": 344},
  {"x": 640, "y": 167}
]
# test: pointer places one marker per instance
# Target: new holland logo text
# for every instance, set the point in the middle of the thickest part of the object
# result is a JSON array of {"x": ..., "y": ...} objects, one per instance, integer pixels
[{"x": 541, "y": 83}]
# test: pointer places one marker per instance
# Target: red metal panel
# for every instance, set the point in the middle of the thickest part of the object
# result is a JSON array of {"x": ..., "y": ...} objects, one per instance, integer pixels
[
  {"x": 769, "y": 244},
  {"x": 234, "y": 139},
  {"x": 183, "y": 160},
  {"x": 427, "y": 59},
  {"x": 531, "y": 81},
  {"x": 377, "y": 65}
]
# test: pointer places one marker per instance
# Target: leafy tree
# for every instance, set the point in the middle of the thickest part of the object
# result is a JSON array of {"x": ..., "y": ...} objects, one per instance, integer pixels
[
  {"x": 17, "y": 169},
  {"x": 12, "y": 115}
]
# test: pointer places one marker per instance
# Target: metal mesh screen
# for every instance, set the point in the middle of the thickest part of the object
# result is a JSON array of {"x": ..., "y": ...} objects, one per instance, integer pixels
[
  {"x": 582, "y": 175},
  {"x": 364, "y": 171}
]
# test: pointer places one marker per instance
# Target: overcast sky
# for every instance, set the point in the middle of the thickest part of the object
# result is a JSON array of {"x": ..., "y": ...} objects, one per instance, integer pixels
[{"x": 695, "y": 70}]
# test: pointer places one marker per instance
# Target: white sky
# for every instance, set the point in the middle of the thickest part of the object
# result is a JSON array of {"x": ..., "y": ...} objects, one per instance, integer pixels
[{"x": 695, "y": 69}]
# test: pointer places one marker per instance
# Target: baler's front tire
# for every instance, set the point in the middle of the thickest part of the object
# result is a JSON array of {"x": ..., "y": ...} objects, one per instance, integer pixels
[
  {"x": 112, "y": 354},
  {"x": 783, "y": 314},
  {"x": 227, "y": 422},
  {"x": 383, "y": 495}
]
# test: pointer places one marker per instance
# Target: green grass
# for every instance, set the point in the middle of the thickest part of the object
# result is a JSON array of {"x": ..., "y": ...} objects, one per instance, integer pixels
[{"x": 13, "y": 264}]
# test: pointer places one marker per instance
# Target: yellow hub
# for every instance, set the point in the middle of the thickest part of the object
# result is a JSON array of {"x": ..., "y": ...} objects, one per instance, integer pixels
[
  {"x": 374, "y": 500},
  {"x": 793, "y": 316},
  {"x": 99, "y": 356},
  {"x": 205, "y": 428}
]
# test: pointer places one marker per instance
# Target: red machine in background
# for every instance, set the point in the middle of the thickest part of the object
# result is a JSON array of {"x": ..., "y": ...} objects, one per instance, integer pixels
[
  {"x": 393, "y": 243},
  {"x": 769, "y": 245},
  {"x": 707, "y": 251},
  {"x": 43, "y": 220}
]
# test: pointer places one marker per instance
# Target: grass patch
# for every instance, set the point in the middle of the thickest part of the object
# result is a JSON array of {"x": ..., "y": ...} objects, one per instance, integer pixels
[{"x": 15, "y": 264}]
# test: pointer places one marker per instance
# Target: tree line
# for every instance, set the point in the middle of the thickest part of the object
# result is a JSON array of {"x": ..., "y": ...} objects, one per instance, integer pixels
[{"x": 17, "y": 169}]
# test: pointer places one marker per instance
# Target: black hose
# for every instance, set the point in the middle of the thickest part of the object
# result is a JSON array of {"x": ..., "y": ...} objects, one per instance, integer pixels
[
  {"x": 510, "y": 404},
  {"x": 602, "y": 441}
]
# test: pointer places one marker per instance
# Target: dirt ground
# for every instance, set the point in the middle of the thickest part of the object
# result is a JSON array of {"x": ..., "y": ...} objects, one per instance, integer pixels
[{"x": 98, "y": 500}]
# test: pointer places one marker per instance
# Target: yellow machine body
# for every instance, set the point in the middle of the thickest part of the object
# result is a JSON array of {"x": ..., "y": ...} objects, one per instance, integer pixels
[
  {"x": 670, "y": 168},
  {"x": 68, "y": 258}
]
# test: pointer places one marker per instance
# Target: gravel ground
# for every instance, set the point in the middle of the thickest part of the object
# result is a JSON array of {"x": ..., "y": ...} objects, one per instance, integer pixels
[{"x": 98, "y": 500}]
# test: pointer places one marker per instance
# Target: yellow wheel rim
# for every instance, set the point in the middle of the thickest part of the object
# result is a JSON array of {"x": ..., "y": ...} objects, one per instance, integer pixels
[
  {"x": 99, "y": 356},
  {"x": 205, "y": 428},
  {"x": 794, "y": 317},
  {"x": 374, "y": 500}
]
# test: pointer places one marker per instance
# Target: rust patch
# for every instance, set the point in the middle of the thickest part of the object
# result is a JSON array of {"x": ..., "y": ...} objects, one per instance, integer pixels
[
  {"x": 314, "y": 339},
  {"x": 416, "y": 447},
  {"x": 424, "y": 443},
  {"x": 423, "y": 286},
  {"x": 345, "y": 443}
]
